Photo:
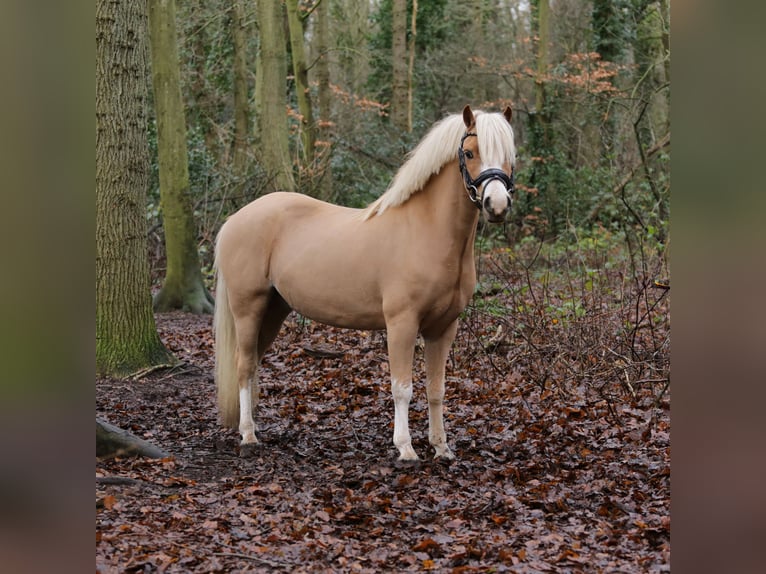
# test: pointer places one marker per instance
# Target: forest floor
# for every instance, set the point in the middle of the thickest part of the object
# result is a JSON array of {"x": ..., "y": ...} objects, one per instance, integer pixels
[{"x": 559, "y": 420}]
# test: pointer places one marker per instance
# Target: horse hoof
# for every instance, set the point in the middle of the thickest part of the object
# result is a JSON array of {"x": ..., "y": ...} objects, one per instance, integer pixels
[
  {"x": 445, "y": 455},
  {"x": 407, "y": 453}
]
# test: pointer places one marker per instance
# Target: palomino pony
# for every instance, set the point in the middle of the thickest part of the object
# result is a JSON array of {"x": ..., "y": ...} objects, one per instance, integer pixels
[{"x": 404, "y": 264}]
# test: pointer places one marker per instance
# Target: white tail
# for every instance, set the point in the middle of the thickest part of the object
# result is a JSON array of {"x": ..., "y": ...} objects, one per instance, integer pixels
[{"x": 225, "y": 355}]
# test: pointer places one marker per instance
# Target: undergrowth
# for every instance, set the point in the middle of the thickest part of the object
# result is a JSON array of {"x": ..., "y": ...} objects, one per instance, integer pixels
[{"x": 587, "y": 319}]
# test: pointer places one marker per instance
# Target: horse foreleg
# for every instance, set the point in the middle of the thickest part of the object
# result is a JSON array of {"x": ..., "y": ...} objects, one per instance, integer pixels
[
  {"x": 436, "y": 351},
  {"x": 401, "y": 348}
]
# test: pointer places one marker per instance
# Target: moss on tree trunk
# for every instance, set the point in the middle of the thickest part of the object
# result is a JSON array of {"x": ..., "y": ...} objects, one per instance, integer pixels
[
  {"x": 399, "y": 62},
  {"x": 302, "y": 94},
  {"x": 183, "y": 287}
]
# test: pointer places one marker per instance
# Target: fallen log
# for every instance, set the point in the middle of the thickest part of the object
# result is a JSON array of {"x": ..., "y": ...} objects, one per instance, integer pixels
[{"x": 114, "y": 441}]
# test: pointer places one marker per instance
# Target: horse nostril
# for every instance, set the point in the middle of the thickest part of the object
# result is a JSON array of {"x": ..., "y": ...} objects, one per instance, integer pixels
[{"x": 495, "y": 206}]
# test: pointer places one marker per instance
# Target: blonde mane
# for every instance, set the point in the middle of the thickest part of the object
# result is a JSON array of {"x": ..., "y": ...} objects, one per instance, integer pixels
[{"x": 439, "y": 147}]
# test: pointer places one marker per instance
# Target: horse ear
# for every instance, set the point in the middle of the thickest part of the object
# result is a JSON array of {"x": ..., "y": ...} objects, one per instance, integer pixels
[
  {"x": 468, "y": 118},
  {"x": 508, "y": 113}
]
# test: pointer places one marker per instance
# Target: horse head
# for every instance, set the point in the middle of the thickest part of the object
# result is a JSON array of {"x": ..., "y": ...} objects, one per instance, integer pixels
[{"x": 487, "y": 150}]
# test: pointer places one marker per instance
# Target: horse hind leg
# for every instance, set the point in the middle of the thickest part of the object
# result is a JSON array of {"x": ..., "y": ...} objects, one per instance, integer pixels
[
  {"x": 277, "y": 311},
  {"x": 247, "y": 376},
  {"x": 255, "y": 332}
]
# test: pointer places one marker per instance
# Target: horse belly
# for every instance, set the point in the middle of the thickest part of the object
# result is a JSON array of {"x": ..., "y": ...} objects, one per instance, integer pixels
[{"x": 333, "y": 298}]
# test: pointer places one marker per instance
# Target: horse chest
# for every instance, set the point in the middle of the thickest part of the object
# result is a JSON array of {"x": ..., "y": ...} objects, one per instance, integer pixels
[{"x": 448, "y": 299}]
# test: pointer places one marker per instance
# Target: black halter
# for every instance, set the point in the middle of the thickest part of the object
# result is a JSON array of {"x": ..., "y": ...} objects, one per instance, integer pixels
[{"x": 472, "y": 185}]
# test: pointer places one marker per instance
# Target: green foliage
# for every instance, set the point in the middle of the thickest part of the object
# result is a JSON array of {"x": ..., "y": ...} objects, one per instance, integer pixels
[
  {"x": 589, "y": 197},
  {"x": 611, "y": 29}
]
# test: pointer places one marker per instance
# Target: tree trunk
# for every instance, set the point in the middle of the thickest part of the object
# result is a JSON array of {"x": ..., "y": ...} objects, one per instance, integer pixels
[
  {"x": 350, "y": 22},
  {"x": 114, "y": 441},
  {"x": 543, "y": 34},
  {"x": 183, "y": 287},
  {"x": 399, "y": 64},
  {"x": 539, "y": 136},
  {"x": 239, "y": 32},
  {"x": 355, "y": 62},
  {"x": 411, "y": 67},
  {"x": 665, "y": 14},
  {"x": 302, "y": 93},
  {"x": 324, "y": 131},
  {"x": 271, "y": 99},
  {"x": 202, "y": 111},
  {"x": 126, "y": 335},
  {"x": 606, "y": 25},
  {"x": 607, "y": 28}
]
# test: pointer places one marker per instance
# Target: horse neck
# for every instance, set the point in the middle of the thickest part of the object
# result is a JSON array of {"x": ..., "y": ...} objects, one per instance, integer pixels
[{"x": 446, "y": 206}]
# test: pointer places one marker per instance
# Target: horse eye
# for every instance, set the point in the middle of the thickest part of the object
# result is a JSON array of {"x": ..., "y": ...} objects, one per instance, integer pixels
[{"x": 469, "y": 154}]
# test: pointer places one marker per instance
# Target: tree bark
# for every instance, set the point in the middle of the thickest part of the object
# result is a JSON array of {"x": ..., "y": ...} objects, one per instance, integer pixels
[
  {"x": 271, "y": 99},
  {"x": 399, "y": 64},
  {"x": 411, "y": 66},
  {"x": 202, "y": 110},
  {"x": 114, "y": 441},
  {"x": 665, "y": 14},
  {"x": 239, "y": 32},
  {"x": 605, "y": 22},
  {"x": 350, "y": 22},
  {"x": 325, "y": 126},
  {"x": 126, "y": 335},
  {"x": 302, "y": 93},
  {"x": 543, "y": 35},
  {"x": 183, "y": 287}
]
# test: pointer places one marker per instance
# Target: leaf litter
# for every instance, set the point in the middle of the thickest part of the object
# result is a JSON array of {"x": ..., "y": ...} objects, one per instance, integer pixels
[{"x": 569, "y": 474}]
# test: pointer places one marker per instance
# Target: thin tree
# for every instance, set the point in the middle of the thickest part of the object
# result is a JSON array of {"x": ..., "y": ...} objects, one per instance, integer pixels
[
  {"x": 126, "y": 335},
  {"x": 322, "y": 76},
  {"x": 399, "y": 64},
  {"x": 610, "y": 41},
  {"x": 350, "y": 66},
  {"x": 239, "y": 33},
  {"x": 296, "y": 22},
  {"x": 411, "y": 66},
  {"x": 183, "y": 287},
  {"x": 543, "y": 38},
  {"x": 539, "y": 136},
  {"x": 271, "y": 98}
]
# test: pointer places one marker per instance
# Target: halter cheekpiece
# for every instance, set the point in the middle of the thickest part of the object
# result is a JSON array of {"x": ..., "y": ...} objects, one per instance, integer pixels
[{"x": 472, "y": 185}]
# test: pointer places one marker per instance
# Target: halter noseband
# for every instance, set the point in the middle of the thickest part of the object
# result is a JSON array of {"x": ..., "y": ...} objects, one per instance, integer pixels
[{"x": 472, "y": 185}]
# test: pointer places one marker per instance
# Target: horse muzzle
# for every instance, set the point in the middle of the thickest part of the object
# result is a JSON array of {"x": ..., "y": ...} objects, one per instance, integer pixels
[{"x": 496, "y": 200}]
